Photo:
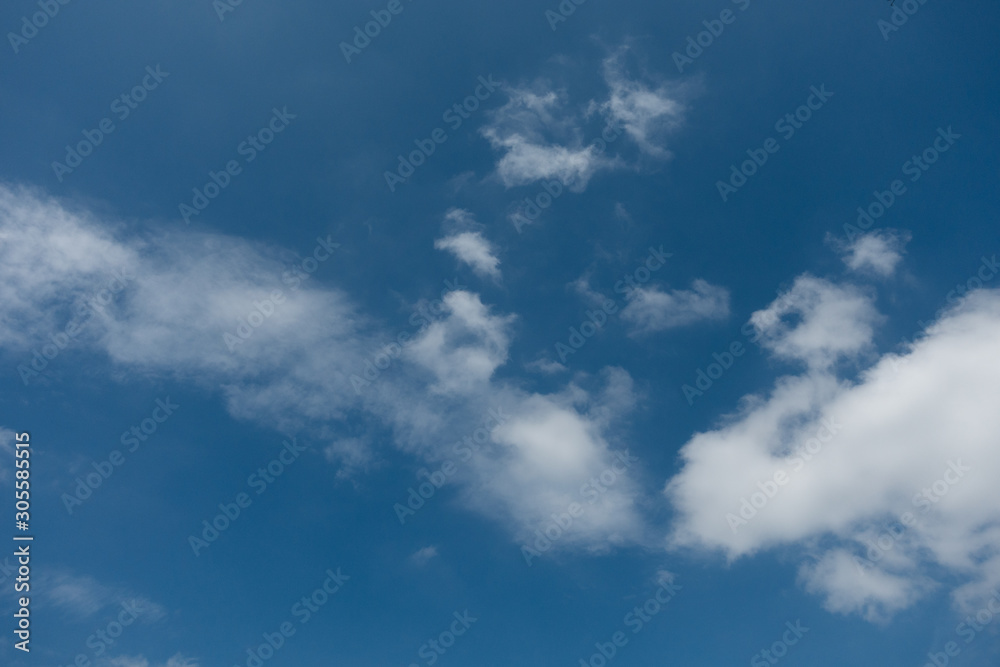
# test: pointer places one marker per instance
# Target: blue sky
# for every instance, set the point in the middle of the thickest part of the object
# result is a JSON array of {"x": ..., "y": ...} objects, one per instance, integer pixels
[{"x": 745, "y": 421}]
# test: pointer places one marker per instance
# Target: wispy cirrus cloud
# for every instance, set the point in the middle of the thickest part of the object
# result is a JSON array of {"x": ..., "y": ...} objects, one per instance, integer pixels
[
  {"x": 83, "y": 596},
  {"x": 652, "y": 309},
  {"x": 540, "y": 133},
  {"x": 647, "y": 113}
]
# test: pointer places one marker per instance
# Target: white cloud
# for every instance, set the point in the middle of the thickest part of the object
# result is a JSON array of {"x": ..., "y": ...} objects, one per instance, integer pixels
[
  {"x": 351, "y": 456},
  {"x": 546, "y": 366},
  {"x": 540, "y": 140},
  {"x": 469, "y": 245},
  {"x": 878, "y": 252},
  {"x": 83, "y": 596},
  {"x": 849, "y": 586},
  {"x": 293, "y": 373},
  {"x": 540, "y": 134},
  {"x": 422, "y": 556},
  {"x": 817, "y": 322},
  {"x": 647, "y": 114},
  {"x": 622, "y": 215},
  {"x": 51, "y": 258},
  {"x": 910, "y": 425},
  {"x": 903, "y": 420},
  {"x": 184, "y": 293},
  {"x": 463, "y": 350},
  {"x": 80, "y": 596},
  {"x": 650, "y": 309},
  {"x": 538, "y": 461}
]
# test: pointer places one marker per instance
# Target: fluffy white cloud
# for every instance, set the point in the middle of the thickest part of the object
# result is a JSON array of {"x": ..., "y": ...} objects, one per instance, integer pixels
[
  {"x": 878, "y": 252},
  {"x": 650, "y": 309},
  {"x": 464, "y": 349},
  {"x": 469, "y": 245},
  {"x": 886, "y": 482},
  {"x": 547, "y": 455},
  {"x": 817, "y": 322}
]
